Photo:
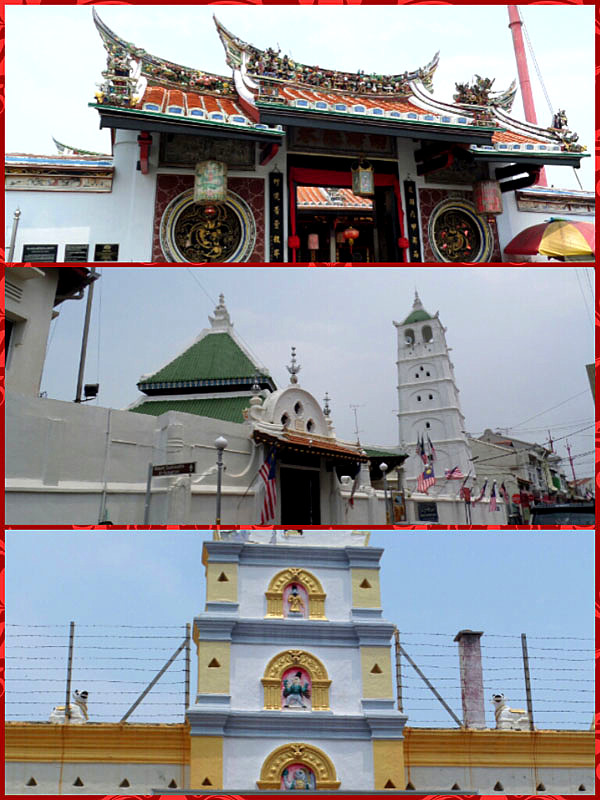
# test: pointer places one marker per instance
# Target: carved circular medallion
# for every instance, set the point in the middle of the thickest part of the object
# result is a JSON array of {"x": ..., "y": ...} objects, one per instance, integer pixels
[
  {"x": 458, "y": 233},
  {"x": 195, "y": 233}
]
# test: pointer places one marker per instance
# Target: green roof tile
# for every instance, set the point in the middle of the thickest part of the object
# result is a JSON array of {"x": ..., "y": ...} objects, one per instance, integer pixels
[
  {"x": 417, "y": 316},
  {"x": 228, "y": 409},
  {"x": 216, "y": 355}
]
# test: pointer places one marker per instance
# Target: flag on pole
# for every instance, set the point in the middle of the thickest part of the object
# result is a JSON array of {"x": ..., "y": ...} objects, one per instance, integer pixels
[
  {"x": 493, "y": 501},
  {"x": 454, "y": 473},
  {"x": 423, "y": 454},
  {"x": 432, "y": 453},
  {"x": 426, "y": 479},
  {"x": 482, "y": 493},
  {"x": 268, "y": 473},
  {"x": 504, "y": 493}
]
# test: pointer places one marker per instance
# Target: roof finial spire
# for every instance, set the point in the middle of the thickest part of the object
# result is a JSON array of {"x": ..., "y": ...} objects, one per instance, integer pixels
[
  {"x": 417, "y": 304},
  {"x": 326, "y": 408},
  {"x": 294, "y": 369},
  {"x": 221, "y": 320}
]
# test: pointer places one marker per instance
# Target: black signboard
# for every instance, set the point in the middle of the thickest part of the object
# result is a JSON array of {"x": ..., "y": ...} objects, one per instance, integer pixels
[
  {"x": 160, "y": 470},
  {"x": 275, "y": 216},
  {"x": 413, "y": 231},
  {"x": 39, "y": 252},
  {"x": 106, "y": 252},
  {"x": 427, "y": 512},
  {"x": 76, "y": 252}
]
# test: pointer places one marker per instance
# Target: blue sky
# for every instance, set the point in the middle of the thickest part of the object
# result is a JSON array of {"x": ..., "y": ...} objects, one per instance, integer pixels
[
  {"x": 472, "y": 40},
  {"x": 520, "y": 339},
  {"x": 438, "y": 582}
]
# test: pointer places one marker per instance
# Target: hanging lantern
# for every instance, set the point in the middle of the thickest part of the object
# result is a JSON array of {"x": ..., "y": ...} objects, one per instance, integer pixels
[
  {"x": 210, "y": 182},
  {"x": 363, "y": 179},
  {"x": 350, "y": 234},
  {"x": 487, "y": 197}
]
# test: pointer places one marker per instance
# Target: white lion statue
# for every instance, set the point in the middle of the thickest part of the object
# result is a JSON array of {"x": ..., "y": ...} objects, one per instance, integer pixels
[
  {"x": 509, "y": 719},
  {"x": 78, "y": 710}
]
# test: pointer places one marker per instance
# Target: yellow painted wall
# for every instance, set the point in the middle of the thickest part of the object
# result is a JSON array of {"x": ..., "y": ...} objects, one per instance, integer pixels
[
  {"x": 213, "y": 680},
  {"x": 125, "y": 742},
  {"x": 388, "y": 763},
  {"x": 376, "y": 684},
  {"x": 206, "y": 762},
  {"x": 226, "y": 591},
  {"x": 365, "y": 597}
]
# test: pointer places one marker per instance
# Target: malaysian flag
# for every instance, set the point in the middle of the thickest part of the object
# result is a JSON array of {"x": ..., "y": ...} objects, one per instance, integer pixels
[
  {"x": 425, "y": 479},
  {"x": 268, "y": 473},
  {"x": 482, "y": 493},
  {"x": 493, "y": 501},
  {"x": 421, "y": 450},
  {"x": 453, "y": 473},
  {"x": 504, "y": 493}
]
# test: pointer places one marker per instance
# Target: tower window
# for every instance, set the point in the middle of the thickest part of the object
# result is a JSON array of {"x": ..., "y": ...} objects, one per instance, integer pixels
[
  {"x": 431, "y": 397},
  {"x": 427, "y": 334},
  {"x": 285, "y": 420},
  {"x": 419, "y": 398},
  {"x": 416, "y": 374},
  {"x": 427, "y": 425},
  {"x": 310, "y": 426},
  {"x": 428, "y": 374},
  {"x": 298, "y": 408},
  {"x": 409, "y": 337}
]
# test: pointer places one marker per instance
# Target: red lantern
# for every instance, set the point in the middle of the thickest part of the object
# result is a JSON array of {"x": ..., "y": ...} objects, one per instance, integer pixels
[
  {"x": 487, "y": 197},
  {"x": 294, "y": 241},
  {"x": 350, "y": 234}
]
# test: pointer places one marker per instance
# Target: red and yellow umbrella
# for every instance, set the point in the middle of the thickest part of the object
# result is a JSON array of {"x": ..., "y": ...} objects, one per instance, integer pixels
[{"x": 557, "y": 238}]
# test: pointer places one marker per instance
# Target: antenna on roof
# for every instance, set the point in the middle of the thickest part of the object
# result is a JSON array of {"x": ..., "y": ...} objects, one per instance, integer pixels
[{"x": 356, "y": 430}]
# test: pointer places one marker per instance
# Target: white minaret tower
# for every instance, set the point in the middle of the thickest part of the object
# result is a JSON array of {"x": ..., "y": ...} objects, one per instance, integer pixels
[{"x": 428, "y": 401}]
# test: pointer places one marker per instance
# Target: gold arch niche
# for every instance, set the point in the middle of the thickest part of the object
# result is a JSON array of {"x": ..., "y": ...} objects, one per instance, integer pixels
[
  {"x": 316, "y": 595},
  {"x": 282, "y": 757},
  {"x": 296, "y": 658}
]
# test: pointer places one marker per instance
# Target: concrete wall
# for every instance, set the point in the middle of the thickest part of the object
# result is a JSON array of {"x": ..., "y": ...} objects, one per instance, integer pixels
[
  {"x": 29, "y": 301},
  {"x": 514, "y": 780}
]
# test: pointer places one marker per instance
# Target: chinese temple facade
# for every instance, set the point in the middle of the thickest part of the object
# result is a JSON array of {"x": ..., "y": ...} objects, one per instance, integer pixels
[{"x": 279, "y": 161}]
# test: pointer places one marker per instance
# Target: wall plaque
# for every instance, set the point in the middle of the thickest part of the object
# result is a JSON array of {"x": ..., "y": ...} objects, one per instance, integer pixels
[
  {"x": 316, "y": 140},
  {"x": 275, "y": 216},
  {"x": 106, "y": 252},
  {"x": 39, "y": 252},
  {"x": 427, "y": 512},
  {"x": 76, "y": 252},
  {"x": 413, "y": 231},
  {"x": 183, "y": 150}
]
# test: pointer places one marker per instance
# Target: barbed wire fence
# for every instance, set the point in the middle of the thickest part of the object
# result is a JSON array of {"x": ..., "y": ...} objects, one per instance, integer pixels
[
  {"x": 561, "y": 678},
  {"x": 148, "y": 667}
]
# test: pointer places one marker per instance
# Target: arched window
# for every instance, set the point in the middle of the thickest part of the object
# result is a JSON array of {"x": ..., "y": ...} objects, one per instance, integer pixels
[
  {"x": 409, "y": 337},
  {"x": 427, "y": 333},
  {"x": 295, "y": 680},
  {"x": 308, "y": 588},
  {"x": 282, "y": 767}
]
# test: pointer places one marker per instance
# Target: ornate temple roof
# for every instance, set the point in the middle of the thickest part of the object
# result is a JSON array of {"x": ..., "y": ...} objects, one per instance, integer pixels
[{"x": 267, "y": 91}]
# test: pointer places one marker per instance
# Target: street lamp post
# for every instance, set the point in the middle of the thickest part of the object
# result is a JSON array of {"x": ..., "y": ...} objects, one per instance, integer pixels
[
  {"x": 220, "y": 444},
  {"x": 384, "y": 468}
]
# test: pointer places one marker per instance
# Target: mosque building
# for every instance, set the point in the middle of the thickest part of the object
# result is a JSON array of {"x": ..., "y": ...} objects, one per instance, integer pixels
[
  {"x": 280, "y": 161},
  {"x": 296, "y": 691}
]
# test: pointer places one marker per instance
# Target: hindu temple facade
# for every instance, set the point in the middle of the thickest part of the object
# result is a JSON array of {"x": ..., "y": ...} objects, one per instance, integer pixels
[{"x": 280, "y": 161}]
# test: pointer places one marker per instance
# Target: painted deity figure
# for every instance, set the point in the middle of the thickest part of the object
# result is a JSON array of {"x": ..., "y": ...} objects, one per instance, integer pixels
[
  {"x": 295, "y": 602},
  {"x": 295, "y": 692},
  {"x": 298, "y": 777}
]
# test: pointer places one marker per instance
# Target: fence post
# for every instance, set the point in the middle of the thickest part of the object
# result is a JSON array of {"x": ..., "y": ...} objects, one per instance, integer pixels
[
  {"x": 398, "y": 669},
  {"x": 527, "y": 680},
  {"x": 69, "y": 671},
  {"x": 187, "y": 666}
]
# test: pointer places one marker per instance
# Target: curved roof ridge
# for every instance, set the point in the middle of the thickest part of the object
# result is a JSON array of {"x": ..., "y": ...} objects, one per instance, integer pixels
[{"x": 235, "y": 48}]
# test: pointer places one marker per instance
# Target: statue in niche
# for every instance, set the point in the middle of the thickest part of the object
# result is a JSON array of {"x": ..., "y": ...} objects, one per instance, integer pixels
[
  {"x": 295, "y": 601},
  {"x": 296, "y": 689},
  {"x": 298, "y": 776}
]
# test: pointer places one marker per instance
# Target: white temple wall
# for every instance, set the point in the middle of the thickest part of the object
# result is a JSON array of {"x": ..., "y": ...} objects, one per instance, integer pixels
[
  {"x": 243, "y": 758},
  {"x": 514, "y": 780},
  {"x": 248, "y": 664},
  {"x": 254, "y": 581}
]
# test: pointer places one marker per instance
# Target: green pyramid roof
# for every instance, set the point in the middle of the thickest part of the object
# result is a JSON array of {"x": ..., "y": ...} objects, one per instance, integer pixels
[
  {"x": 417, "y": 316},
  {"x": 216, "y": 359},
  {"x": 228, "y": 409}
]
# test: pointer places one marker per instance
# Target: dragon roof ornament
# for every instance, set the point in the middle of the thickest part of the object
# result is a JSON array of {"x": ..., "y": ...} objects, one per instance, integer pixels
[
  {"x": 479, "y": 93},
  {"x": 270, "y": 67},
  {"x": 159, "y": 70}
]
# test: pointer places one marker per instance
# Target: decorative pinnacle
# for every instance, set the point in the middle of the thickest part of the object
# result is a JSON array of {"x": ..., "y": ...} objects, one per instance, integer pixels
[
  {"x": 326, "y": 409},
  {"x": 221, "y": 319},
  {"x": 417, "y": 302},
  {"x": 294, "y": 369},
  {"x": 255, "y": 385}
]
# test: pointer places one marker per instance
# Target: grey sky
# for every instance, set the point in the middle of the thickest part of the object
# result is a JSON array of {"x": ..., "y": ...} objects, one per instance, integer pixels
[
  {"x": 520, "y": 339},
  {"x": 47, "y": 95},
  {"x": 434, "y": 582}
]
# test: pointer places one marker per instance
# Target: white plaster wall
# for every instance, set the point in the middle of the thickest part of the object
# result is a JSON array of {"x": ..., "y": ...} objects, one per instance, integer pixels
[
  {"x": 254, "y": 581},
  {"x": 514, "y": 780},
  {"x": 97, "y": 778},
  {"x": 248, "y": 664},
  {"x": 452, "y": 511},
  {"x": 32, "y": 315},
  {"x": 244, "y": 757}
]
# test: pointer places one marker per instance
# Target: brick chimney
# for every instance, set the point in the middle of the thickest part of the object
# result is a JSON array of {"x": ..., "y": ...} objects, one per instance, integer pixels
[{"x": 471, "y": 678}]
